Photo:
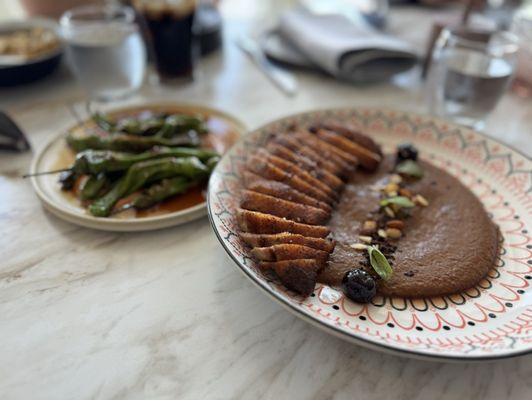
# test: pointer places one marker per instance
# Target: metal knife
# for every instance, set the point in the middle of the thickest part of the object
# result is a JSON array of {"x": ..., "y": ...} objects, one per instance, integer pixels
[{"x": 284, "y": 80}]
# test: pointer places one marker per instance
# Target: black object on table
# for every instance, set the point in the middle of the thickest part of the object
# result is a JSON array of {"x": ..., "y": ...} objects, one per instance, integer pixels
[
  {"x": 13, "y": 75},
  {"x": 11, "y": 136}
]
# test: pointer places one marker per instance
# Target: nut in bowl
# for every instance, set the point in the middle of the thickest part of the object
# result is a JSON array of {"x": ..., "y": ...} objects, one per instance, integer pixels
[
  {"x": 139, "y": 168},
  {"x": 403, "y": 252}
]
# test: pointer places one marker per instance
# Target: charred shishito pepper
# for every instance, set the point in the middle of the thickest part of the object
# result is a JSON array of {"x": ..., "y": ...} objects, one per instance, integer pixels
[
  {"x": 132, "y": 143},
  {"x": 167, "y": 188},
  {"x": 93, "y": 186},
  {"x": 97, "y": 161},
  {"x": 161, "y": 191},
  {"x": 162, "y": 125},
  {"x": 147, "y": 172},
  {"x": 146, "y": 158}
]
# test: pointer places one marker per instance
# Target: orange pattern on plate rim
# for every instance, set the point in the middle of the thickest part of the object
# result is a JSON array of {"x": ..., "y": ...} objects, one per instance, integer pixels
[{"x": 411, "y": 324}]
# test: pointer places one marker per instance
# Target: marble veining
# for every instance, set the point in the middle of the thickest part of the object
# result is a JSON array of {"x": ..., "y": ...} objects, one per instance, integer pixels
[{"x": 166, "y": 315}]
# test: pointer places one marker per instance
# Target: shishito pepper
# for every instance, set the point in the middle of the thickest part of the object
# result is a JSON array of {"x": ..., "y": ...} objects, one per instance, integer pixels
[
  {"x": 145, "y": 172},
  {"x": 162, "y": 125},
  {"x": 98, "y": 161},
  {"x": 167, "y": 188},
  {"x": 132, "y": 143},
  {"x": 92, "y": 187},
  {"x": 178, "y": 123},
  {"x": 161, "y": 191}
]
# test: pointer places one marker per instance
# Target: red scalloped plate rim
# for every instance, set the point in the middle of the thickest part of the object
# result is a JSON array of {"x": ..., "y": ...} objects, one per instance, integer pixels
[{"x": 314, "y": 316}]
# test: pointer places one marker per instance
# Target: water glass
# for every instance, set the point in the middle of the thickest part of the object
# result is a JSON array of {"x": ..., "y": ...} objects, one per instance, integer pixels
[
  {"x": 522, "y": 27},
  {"x": 105, "y": 50},
  {"x": 469, "y": 73}
]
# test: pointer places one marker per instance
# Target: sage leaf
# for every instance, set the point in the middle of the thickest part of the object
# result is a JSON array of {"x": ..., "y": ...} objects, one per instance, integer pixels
[
  {"x": 379, "y": 263},
  {"x": 400, "y": 201},
  {"x": 409, "y": 168}
]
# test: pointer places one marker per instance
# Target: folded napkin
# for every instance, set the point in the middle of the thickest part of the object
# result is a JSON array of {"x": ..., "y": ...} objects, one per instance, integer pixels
[{"x": 334, "y": 43}]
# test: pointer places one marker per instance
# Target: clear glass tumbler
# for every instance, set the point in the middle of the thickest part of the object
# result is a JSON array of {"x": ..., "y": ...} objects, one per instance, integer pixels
[
  {"x": 522, "y": 27},
  {"x": 469, "y": 73},
  {"x": 105, "y": 50}
]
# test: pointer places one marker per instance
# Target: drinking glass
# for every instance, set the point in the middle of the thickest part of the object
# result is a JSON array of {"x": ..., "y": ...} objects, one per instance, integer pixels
[
  {"x": 522, "y": 27},
  {"x": 170, "y": 25},
  {"x": 469, "y": 73},
  {"x": 105, "y": 50}
]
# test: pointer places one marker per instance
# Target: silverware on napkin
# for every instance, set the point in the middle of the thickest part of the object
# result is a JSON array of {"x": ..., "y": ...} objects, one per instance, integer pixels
[
  {"x": 284, "y": 80},
  {"x": 345, "y": 47}
]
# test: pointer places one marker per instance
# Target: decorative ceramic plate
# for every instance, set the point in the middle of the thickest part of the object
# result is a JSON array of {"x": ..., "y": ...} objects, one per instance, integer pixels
[
  {"x": 65, "y": 206},
  {"x": 489, "y": 321}
]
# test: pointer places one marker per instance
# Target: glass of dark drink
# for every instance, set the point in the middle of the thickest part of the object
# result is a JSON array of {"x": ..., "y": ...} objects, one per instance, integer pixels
[{"x": 170, "y": 29}]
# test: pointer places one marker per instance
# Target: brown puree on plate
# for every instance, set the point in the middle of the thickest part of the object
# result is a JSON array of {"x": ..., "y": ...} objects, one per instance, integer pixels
[{"x": 446, "y": 247}]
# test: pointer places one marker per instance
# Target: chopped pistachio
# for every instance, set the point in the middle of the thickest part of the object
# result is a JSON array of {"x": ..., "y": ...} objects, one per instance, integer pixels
[
  {"x": 369, "y": 226},
  {"x": 379, "y": 263},
  {"x": 393, "y": 233},
  {"x": 359, "y": 246},
  {"x": 401, "y": 201},
  {"x": 389, "y": 212},
  {"x": 396, "y": 178},
  {"x": 409, "y": 168},
  {"x": 365, "y": 239},
  {"x": 421, "y": 200}
]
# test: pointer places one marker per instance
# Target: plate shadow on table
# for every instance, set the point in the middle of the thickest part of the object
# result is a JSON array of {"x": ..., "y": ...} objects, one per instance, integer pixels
[{"x": 331, "y": 366}]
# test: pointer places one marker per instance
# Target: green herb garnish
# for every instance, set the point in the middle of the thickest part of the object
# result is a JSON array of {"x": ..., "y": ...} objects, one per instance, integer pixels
[
  {"x": 103, "y": 122},
  {"x": 379, "y": 263},
  {"x": 400, "y": 201},
  {"x": 409, "y": 168}
]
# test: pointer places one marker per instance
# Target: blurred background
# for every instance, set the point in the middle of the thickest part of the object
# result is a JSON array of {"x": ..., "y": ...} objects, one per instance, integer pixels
[
  {"x": 455, "y": 59},
  {"x": 86, "y": 315}
]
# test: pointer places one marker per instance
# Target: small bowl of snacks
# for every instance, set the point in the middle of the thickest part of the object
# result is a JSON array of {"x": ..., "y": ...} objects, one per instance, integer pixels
[{"x": 29, "y": 50}]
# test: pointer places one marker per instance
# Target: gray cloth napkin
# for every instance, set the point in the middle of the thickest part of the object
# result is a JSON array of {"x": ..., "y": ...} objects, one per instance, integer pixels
[{"x": 347, "y": 50}]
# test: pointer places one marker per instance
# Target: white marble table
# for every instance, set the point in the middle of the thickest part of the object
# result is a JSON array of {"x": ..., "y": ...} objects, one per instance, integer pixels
[{"x": 93, "y": 315}]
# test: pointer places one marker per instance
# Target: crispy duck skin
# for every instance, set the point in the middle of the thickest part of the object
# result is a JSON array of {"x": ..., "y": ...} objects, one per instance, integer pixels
[
  {"x": 306, "y": 164},
  {"x": 262, "y": 167},
  {"x": 344, "y": 155},
  {"x": 293, "y": 168},
  {"x": 352, "y": 133},
  {"x": 328, "y": 150},
  {"x": 299, "y": 147},
  {"x": 280, "y": 150},
  {"x": 297, "y": 275},
  {"x": 256, "y": 222},
  {"x": 333, "y": 165},
  {"x": 264, "y": 203},
  {"x": 368, "y": 160},
  {"x": 281, "y": 190},
  {"x": 257, "y": 240},
  {"x": 282, "y": 252},
  {"x": 291, "y": 185}
]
